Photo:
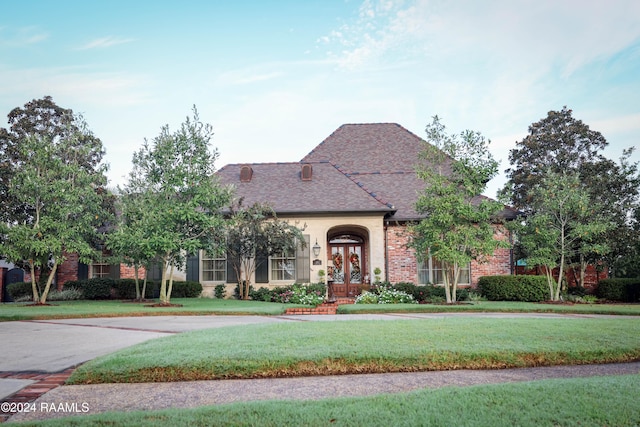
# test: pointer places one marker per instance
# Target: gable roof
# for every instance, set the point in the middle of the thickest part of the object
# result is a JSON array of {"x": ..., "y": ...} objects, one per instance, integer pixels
[
  {"x": 358, "y": 168},
  {"x": 371, "y": 147},
  {"x": 380, "y": 156}
]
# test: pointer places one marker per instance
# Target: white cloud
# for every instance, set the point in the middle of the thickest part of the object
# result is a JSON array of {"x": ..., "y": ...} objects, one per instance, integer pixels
[
  {"x": 529, "y": 34},
  {"x": 104, "y": 42},
  {"x": 21, "y": 36}
]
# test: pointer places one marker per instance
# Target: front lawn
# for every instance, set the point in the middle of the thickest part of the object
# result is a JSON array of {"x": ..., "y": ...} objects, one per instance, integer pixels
[
  {"x": 494, "y": 306},
  {"x": 117, "y": 308},
  {"x": 598, "y": 401},
  {"x": 204, "y": 306},
  {"x": 367, "y": 346}
]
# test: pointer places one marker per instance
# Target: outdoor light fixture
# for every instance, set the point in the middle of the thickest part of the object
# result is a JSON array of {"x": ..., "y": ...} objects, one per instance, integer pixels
[{"x": 316, "y": 249}]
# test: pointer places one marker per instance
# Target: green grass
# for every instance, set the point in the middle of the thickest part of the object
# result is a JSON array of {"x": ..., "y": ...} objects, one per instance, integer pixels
[
  {"x": 598, "y": 401},
  {"x": 204, "y": 306},
  {"x": 359, "y": 346},
  {"x": 115, "y": 308},
  {"x": 494, "y": 306}
]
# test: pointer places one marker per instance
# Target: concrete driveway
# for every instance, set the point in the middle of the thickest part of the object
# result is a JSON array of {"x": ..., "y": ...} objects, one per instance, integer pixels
[{"x": 54, "y": 345}]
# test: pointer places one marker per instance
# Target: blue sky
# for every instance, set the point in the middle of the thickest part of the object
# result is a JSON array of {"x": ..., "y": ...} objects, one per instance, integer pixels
[{"x": 275, "y": 78}]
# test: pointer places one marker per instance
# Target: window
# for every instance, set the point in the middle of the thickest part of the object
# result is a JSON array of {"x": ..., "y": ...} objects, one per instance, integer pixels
[
  {"x": 291, "y": 266},
  {"x": 100, "y": 270},
  {"x": 431, "y": 271},
  {"x": 283, "y": 266},
  {"x": 214, "y": 269}
]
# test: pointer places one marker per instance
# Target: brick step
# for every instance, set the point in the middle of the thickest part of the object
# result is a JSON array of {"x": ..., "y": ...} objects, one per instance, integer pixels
[{"x": 324, "y": 308}]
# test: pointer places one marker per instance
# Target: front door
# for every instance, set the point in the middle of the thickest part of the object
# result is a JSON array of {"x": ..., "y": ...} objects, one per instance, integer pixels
[{"x": 346, "y": 268}]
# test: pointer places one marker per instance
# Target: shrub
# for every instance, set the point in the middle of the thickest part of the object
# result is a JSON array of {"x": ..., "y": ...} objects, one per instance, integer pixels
[
  {"x": 20, "y": 290},
  {"x": 65, "y": 295},
  {"x": 182, "y": 289},
  {"x": 237, "y": 293},
  {"x": 578, "y": 291},
  {"x": 385, "y": 296},
  {"x": 306, "y": 294},
  {"x": 126, "y": 288},
  {"x": 392, "y": 296},
  {"x": 220, "y": 291},
  {"x": 406, "y": 287},
  {"x": 367, "y": 297},
  {"x": 281, "y": 294},
  {"x": 627, "y": 290},
  {"x": 514, "y": 288},
  {"x": 429, "y": 293},
  {"x": 262, "y": 294},
  {"x": 93, "y": 289}
]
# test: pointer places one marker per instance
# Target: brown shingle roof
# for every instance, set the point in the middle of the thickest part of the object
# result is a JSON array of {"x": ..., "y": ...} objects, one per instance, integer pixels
[
  {"x": 358, "y": 168},
  {"x": 382, "y": 157},
  {"x": 281, "y": 185}
]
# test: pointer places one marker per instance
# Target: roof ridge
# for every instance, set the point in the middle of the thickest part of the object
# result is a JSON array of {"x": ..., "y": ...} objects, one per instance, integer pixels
[{"x": 362, "y": 186}]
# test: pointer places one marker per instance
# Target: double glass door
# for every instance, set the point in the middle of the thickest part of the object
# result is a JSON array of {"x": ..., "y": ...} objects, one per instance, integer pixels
[{"x": 346, "y": 267}]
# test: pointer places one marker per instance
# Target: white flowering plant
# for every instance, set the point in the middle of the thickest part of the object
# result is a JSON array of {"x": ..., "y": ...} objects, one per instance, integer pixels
[
  {"x": 385, "y": 296},
  {"x": 303, "y": 294}
]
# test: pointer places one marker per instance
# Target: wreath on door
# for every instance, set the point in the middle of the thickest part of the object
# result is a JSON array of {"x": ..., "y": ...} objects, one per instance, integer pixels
[{"x": 337, "y": 260}]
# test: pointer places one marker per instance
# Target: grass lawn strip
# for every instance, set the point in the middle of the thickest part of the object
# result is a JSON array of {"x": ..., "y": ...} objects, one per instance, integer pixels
[
  {"x": 596, "y": 401},
  {"x": 324, "y": 348},
  {"x": 207, "y": 306}
]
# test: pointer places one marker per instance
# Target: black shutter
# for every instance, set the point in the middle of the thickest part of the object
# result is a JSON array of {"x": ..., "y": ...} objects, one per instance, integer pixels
[
  {"x": 83, "y": 271},
  {"x": 193, "y": 267},
  {"x": 262, "y": 268},
  {"x": 231, "y": 273},
  {"x": 114, "y": 271}
]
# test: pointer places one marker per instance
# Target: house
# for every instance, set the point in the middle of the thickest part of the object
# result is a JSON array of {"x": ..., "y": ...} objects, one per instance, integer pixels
[{"x": 355, "y": 193}]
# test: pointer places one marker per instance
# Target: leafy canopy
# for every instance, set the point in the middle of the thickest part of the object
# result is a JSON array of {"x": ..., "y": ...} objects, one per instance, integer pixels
[
  {"x": 458, "y": 222},
  {"x": 174, "y": 199},
  {"x": 55, "y": 190},
  {"x": 252, "y": 235}
]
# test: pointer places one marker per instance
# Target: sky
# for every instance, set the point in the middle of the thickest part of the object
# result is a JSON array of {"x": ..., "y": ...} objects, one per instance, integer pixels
[{"x": 275, "y": 78}]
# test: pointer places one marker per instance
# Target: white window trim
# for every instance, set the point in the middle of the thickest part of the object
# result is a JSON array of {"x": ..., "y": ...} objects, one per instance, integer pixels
[{"x": 430, "y": 270}]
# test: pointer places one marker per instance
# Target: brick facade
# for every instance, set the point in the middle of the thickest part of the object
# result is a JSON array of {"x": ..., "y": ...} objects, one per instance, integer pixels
[
  {"x": 403, "y": 267},
  {"x": 68, "y": 271},
  {"x": 401, "y": 261}
]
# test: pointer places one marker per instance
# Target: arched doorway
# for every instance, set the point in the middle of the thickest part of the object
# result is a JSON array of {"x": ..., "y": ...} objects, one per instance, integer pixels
[{"x": 347, "y": 263}]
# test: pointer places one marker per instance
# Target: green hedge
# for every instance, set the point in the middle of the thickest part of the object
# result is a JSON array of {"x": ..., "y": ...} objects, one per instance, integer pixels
[
  {"x": 20, "y": 290},
  {"x": 93, "y": 289},
  {"x": 104, "y": 288},
  {"x": 182, "y": 289},
  {"x": 514, "y": 288},
  {"x": 126, "y": 288},
  {"x": 626, "y": 290}
]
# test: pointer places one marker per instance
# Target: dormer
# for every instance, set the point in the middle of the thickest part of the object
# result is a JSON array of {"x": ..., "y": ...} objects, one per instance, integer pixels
[
  {"x": 246, "y": 173},
  {"x": 306, "y": 172}
]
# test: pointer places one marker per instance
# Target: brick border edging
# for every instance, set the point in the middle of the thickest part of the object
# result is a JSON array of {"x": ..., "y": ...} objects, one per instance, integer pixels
[
  {"x": 44, "y": 382},
  {"x": 324, "y": 308}
]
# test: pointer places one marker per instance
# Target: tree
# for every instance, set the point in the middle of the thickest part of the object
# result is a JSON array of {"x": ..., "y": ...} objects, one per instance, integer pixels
[
  {"x": 458, "y": 223},
  {"x": 41, "y": 117},
  {"x": 564, "y": 145},
  {"x": 128, "y": 242},
  {"x": 174, "y": 181},
  {"x": 56, "y": 187},
  {"x": 564, "y": 224},
  {"x": 252, "y": 235}
]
